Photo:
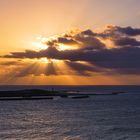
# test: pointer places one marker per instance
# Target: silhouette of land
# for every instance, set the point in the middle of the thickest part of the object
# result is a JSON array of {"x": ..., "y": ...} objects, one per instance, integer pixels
[{"x": 38, "y": 94}]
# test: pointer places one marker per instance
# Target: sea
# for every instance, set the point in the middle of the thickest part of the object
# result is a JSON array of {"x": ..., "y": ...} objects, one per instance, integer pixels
[{"x": 113, "y": 117}]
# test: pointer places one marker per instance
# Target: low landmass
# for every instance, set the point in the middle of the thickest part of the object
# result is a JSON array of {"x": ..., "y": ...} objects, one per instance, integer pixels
[{"x": 34, "y": 94}]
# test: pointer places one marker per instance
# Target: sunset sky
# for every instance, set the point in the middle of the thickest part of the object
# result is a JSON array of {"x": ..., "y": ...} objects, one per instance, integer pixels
[{"x": 70, "y": 42}]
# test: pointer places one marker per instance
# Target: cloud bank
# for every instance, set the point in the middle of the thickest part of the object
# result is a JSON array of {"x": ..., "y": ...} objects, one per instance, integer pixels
[{"x": 93, "y": 50}]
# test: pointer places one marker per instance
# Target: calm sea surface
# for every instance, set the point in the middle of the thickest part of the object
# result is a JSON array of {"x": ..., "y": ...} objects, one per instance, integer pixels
[{"x": 95, "y": 118}]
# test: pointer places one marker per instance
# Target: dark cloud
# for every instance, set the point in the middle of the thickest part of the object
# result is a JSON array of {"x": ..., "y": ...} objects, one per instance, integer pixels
[
  {"x": 26, "y": 54},
  {"x": 129, "y": 30},
  {"x": 89, "y": 42},
  {"x": 123, "y": 58},
  {"x": 126, "y": 41},
  {"x": 117, "y": 31},
  {"x": 67, "y": 41},
  {"x": 126, "y": 57},
  {"x": 52, "y": 43},
  {"x": 82, "y": 39},
  {"x": 88, "y": 33}
]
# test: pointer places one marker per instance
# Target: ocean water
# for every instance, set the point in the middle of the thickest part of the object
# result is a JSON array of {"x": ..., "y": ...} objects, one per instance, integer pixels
[{"x": 96, "y": 118}]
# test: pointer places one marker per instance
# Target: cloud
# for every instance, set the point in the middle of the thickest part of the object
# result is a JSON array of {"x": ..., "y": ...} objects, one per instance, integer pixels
[
  {"x": 67, "y": 41},
  {"x": 126, "y": 41},
  {"x": 117, "y": 31},
  {"x": 128, "y": 30},
  {"x": 92, "y": 49}
]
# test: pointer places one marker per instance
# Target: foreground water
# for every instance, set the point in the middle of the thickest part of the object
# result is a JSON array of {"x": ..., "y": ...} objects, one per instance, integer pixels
[{"x": 96, "y": 118}]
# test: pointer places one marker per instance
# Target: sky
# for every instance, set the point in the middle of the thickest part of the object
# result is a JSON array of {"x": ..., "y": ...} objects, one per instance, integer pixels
[{"x": 72, "y": 42}]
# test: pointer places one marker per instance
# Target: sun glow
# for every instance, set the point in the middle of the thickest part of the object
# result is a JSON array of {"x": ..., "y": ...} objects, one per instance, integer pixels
[
  {"x": 63, "y": 47},
  {"x": 39, "y": 45},
  {"x": 55, "y": 60},
  {"x": 46, "y": 60}
]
